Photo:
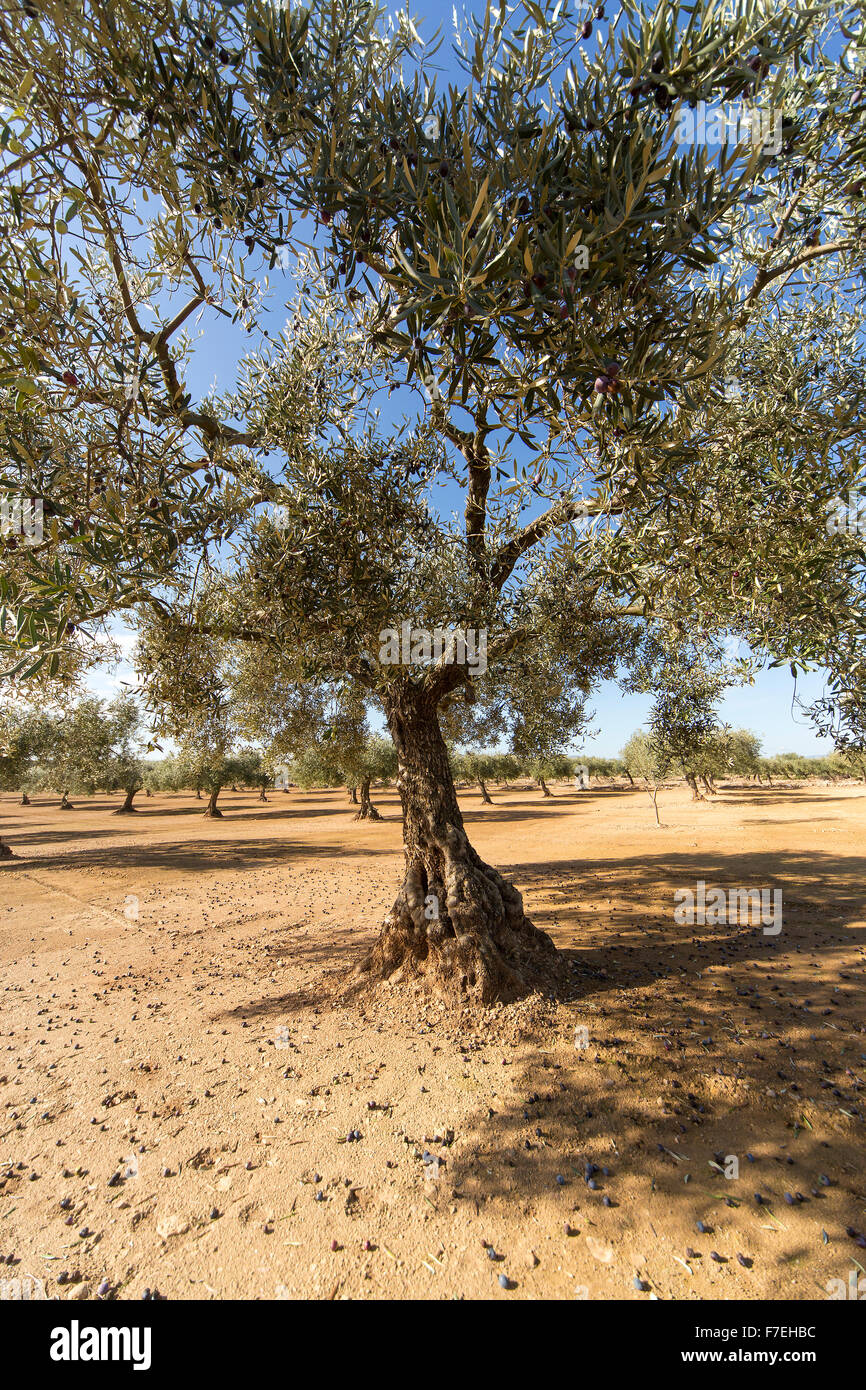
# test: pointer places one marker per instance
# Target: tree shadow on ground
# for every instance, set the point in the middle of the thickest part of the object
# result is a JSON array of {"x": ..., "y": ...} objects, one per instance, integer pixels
[
  {"x": 289, "y": 813},
  {"x": 613, "y": 918},
  {"x": 204, "y": 856},
  {"x": 533, "y": 1153},
  {"x": 628, "y": 904},
  {"x": 770, "y": 796},
  {"x": 701, "y": 1041},
  {"x": 52, "y": 837}
]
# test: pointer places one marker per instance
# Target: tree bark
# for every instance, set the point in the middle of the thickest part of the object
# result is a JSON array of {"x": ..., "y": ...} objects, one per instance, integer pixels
[
  {"x": 544, "y": 787},
  {"x": 127, "y": 808},
  {"x": 353, "y": 795},
  {"x": 456, "y": 924},
  {"x": 212, "y": 810},
  {"x": 485, "y": 795},
  {"x": 693, "y": 783},
  {"x": 366, "y": 811}
]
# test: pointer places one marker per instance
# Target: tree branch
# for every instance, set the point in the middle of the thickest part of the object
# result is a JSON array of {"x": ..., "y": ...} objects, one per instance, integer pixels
[
  {"x": 811, "y": 253},
  {"x": 557, "y": 515}
]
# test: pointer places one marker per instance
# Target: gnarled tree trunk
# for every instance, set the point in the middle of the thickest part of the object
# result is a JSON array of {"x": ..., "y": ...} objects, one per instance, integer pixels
[
  {"x": 25, "y": 799},
  {"x": 65, "y": 803},
  {"x": 456, "y": 923},
  {"x": 366, "y": 811},
  {"x": 544, "y": 787},
  {"x": 212, "y": 810},
  {"x": 485, "y": 795},
  {"x": 127, "y": 808},
  {"x": 262, "y": 796},
  {"x": 693, "y": 783},
  {"x": 353, "y": 795}
]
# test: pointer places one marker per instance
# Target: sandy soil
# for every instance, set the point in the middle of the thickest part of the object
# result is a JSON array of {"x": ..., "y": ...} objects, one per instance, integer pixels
[{"x": 178, "y": 1095}]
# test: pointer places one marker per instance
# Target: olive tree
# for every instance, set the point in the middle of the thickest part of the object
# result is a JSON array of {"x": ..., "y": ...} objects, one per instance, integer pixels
[
  {"x": 92, "y": 746},
  {"x": 554, "y": 285},
  {"x": 549, "y": 765},
  {"x": 744, "y": 753},
  {"x": 184, "y": 687},
  {"x": 316, "y": 767},
  {"x": 685, "y": 735},
  {"x": 126, "y": 770},
  {"x": 687, "y": 680},
  {"x": 25, "y": 736},
  {"x": 477, "y": 768},
  {"x": 648, "y": 760},
  {"x": 165, "y": 775},
  {"x": 840, "y": 714}
]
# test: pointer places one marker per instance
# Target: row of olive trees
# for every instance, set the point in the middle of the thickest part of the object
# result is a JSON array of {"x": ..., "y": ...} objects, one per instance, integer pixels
[
  {"x": 95, "y": 745},
  {"x": 330, "y": 764},
  {"x": 478, "y": 768},
  {"x": 695, "y": 751},
  {"x": 89, "y": 746},
  {"x": 325, "y": 765},
  {"x": 208, "y": 772},
  {"x": 702, "y": 755},
  {"x": 98, "y": 746},
  {"x": 787, "y": 767}
]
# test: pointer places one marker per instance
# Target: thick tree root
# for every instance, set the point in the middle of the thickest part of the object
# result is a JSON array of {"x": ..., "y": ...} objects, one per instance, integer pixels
[
  {"x": 459, "y": 927},
  {"x": 367, "y": 812}
]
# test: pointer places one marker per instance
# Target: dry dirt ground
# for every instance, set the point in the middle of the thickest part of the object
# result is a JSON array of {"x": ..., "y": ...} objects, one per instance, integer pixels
[{"x": 183, "y": 1109}]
